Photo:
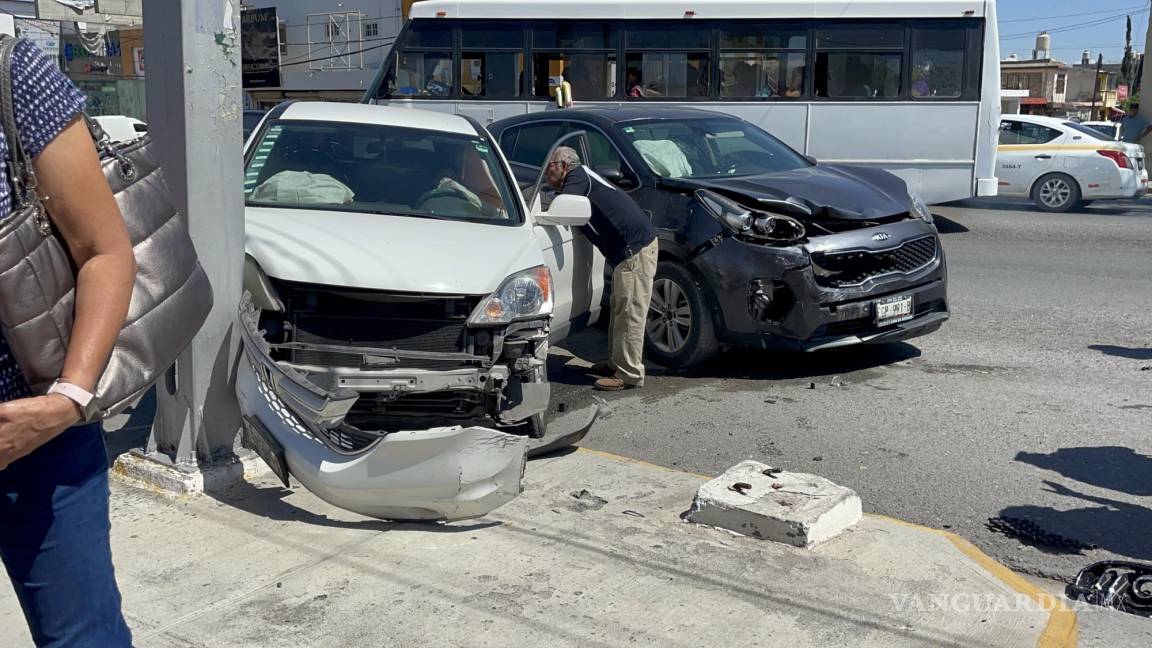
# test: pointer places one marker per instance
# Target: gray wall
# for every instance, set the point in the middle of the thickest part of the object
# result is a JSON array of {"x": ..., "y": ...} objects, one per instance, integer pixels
[{"x": 307, "y": 77}]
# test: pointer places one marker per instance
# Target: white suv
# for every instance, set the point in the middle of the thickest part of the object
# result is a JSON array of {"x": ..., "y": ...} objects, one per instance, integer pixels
[{"x": 402, "y": 301}]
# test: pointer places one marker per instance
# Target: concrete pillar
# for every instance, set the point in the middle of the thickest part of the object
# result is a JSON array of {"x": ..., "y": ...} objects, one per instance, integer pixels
[
  {"x": 194, "y": 105},
  {"x": 1146, "y": 84}
]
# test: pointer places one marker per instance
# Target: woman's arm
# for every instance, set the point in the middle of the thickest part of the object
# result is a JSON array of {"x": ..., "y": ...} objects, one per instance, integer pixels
[{"x": 81, "y": 206}]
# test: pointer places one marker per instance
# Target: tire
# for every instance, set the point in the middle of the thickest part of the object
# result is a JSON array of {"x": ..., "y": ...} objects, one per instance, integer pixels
[
  {"x": 1056, "y": 192},
  {"x": 680, "y": 334}
]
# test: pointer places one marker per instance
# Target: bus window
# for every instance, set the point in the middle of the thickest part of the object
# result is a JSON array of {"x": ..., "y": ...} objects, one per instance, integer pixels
[
  {"x": 758, "y": 36},
  {"x": 592, "y": 75},
  {"x": 762, "y": 74},
  {"x": 668, "y": 74},
  {"x": 859, "y": 61},
  {"x": 853, "y": 75},
  {"x": 426, "y": 33},
  {"x": 668, "y": 35},
  {"x": 576, "y": 34},
  {"x": 421, "y": 74},
  {"x": 938, "y": 62},
  {"x": 491, "y": 36},
  {"x": 491, "y": 74}
]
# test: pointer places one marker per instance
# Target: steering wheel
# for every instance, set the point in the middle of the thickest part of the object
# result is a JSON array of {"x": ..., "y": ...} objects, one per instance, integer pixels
[
  {"x": 438, "y": 88},
  {"x": 447, "y": 191}
]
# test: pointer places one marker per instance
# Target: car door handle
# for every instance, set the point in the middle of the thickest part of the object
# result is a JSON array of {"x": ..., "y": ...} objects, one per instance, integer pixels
[{"x": 1043, "y": 156}]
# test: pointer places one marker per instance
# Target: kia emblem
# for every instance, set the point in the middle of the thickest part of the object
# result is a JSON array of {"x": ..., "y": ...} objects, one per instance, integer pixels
[{"x": 881, "y": 236}]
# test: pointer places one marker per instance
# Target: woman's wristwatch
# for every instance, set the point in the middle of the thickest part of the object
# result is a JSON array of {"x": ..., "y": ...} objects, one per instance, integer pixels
[{"x": 82, "y": 397}]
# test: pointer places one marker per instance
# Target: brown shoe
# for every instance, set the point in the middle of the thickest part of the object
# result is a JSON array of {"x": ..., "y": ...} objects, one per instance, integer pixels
[
  {"x": 611, "y": 384},
  {"x": 603, "y": 369}
]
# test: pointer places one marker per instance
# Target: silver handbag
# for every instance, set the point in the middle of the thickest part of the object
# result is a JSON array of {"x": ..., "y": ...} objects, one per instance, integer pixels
[{"x": 170, "y": 300}]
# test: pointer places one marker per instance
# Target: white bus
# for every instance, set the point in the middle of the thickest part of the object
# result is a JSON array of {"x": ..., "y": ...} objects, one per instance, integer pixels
[{"x": 911, "y": 86}]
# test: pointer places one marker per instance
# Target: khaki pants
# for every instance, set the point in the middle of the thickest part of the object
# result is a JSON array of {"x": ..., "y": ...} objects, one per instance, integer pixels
[{"x": 631, "y": 296}]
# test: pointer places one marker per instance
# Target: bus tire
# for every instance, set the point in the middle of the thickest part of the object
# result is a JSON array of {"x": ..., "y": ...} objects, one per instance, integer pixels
[
  {"x": 1056, "y": 192},
  {"x": 671, "y": 339}
]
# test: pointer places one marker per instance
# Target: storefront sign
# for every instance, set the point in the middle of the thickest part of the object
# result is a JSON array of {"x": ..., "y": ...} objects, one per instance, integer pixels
[
  {"x": 138, "y": 60},
  {"x": 260, "y": 48},
  {"x": 1121, "y": 93}
]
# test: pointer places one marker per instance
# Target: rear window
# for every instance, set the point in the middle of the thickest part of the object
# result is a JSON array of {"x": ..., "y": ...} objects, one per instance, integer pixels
[
  {"x": 386, "y": 170},
  {"x": 1091, "y": 132}
]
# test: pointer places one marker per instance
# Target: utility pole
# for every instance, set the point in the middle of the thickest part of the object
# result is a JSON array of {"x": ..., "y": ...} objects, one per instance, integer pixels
[
  {"x": 193, "y": 94},
  {"x": 1146, "y": 79},
  {"x": 1096, "y": 84}
]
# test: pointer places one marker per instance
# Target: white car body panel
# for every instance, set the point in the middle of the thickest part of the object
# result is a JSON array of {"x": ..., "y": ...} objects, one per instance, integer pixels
[
  {"x": 1019, "y": 166},
  {"x": 121, "y": 128},
  {"x": 382, "y": 252}
]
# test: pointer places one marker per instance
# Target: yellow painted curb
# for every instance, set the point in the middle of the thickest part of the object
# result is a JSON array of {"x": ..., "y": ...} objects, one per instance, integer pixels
[{"x": 1063, "y": 628}]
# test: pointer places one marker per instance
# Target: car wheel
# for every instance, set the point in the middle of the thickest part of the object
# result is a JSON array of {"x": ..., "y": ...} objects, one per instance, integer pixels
[
  {"x": 680, "y": 332},
  {"x": 1056, "y": 192}
]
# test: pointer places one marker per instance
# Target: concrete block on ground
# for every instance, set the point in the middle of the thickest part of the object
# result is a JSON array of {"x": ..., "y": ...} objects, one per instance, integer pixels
[{"x": 792, "y": 508}]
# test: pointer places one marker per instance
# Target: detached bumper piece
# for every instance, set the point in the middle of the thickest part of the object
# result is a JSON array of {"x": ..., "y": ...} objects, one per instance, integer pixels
[{"x": 438, "y": 474}]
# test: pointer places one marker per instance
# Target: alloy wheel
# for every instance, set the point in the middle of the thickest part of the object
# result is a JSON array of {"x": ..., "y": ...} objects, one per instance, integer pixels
[
  {"x": 669, "y": 316},
  {"x": 1055, "y": 192}
]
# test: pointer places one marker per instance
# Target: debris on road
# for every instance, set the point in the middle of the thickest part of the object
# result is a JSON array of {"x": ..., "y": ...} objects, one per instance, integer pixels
[
  {"x": 1118, "y": 584},
  {"x": 586, "y": 501},
  {"x": 1031, "y": 533},
  {"x": 811, "y": 385}
]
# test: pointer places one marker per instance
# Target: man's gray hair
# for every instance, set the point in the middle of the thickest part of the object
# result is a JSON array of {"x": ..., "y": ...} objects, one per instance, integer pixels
[{"x": 568, "y": 155}]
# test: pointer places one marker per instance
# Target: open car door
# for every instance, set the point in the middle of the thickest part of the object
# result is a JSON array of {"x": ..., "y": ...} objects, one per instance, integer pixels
[{"x": 577, "y": 266}]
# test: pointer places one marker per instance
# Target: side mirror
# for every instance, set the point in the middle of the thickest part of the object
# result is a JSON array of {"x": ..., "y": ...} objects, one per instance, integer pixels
[
  {"x": 565, "y": 211},
  {"x": 615, "y": 176},
  {"x": 811, "y": 159}
]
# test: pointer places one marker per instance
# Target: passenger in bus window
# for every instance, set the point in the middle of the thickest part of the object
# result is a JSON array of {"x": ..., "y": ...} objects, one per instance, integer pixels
[
  {"x": 796, "y": 84},
  {"x": 635, "y": 83},
  {"x": 920, "y": 87}
]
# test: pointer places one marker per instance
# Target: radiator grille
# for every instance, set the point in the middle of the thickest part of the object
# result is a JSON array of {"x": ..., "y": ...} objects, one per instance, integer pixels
[{"x": 843, "y": 269}]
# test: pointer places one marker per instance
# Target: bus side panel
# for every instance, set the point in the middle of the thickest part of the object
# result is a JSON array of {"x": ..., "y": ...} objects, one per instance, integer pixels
[
  {"x": 788, "y": 122},
  {"x": 930, "y": 145}
]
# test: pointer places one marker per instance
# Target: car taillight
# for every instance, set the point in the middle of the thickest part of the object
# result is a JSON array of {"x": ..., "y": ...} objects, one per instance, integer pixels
[{"x": 1118, "y": 157}]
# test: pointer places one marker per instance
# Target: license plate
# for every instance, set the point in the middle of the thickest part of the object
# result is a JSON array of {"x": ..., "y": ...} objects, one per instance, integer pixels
[
  {"x": 891, "y": 310},
  {"x": 255, "y": 437}
]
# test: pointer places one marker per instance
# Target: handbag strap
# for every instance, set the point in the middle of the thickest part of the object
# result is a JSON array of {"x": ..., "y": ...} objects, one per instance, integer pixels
[{"x": 22, "y": 175}]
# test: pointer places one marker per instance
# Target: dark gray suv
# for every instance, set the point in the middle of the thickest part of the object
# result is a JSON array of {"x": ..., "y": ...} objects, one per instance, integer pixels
[{"x": 759, "y": 245}]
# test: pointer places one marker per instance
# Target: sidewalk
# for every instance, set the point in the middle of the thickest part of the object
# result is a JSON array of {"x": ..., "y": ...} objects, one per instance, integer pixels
[{"x": 261, "y": 566}]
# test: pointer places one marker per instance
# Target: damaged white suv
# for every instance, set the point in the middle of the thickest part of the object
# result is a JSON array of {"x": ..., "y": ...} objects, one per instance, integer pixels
[{"x": 400, "y": 303}]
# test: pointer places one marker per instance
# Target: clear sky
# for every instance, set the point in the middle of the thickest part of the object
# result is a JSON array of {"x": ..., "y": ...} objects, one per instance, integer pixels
[{"x": 1075, "y": 26}]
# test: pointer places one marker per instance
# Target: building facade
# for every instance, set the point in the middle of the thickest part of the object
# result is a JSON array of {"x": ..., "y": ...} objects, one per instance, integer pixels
[{"x": 327, "y": 50}]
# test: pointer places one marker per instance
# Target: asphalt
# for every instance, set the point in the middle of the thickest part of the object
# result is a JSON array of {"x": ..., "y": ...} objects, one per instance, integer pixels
[{"x": 1034, "y": 401}]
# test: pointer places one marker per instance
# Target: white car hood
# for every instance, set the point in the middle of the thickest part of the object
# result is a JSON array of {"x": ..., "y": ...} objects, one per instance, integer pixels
[{"x": 380, "y": 252}]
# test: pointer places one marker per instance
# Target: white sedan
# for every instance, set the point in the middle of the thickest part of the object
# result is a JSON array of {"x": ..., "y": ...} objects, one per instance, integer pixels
[{"x": 1061, "y": 165}]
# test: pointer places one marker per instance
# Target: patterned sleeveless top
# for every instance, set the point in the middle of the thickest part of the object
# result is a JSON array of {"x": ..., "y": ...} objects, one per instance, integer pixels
[{"x": 44, "y": 102}]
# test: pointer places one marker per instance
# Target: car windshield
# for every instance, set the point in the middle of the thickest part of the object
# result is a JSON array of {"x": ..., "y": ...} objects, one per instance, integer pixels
[
  {"x": 387, "y": 170},
  {"x": 709, "y": 148},
  {"x": 1081, "y": 128}
]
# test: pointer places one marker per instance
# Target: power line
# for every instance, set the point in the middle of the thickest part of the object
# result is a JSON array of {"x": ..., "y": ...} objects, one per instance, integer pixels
[
  {"x": 317, "y": 60},
  {"x": 1072, "y": 27},
  {"x": 1075, "y": 15}
]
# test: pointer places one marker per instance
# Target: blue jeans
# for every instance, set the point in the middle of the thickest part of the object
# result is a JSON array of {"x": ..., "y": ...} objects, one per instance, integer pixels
[{"x": 54, "y": 542}]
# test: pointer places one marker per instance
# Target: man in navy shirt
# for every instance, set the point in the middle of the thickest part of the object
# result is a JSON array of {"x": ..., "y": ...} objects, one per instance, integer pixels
[{"x": 627, "y": 239}]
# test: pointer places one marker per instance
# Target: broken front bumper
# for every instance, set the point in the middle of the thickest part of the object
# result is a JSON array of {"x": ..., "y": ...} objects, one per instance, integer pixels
[{"x": 442, "y": 473}]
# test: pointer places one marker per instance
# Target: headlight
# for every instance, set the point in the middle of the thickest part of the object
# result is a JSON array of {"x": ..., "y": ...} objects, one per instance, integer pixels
[
  {"x": 727, "y": 211},
  {"x": 919, "y": 208},
  {"x": 525, "y": 295}
]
